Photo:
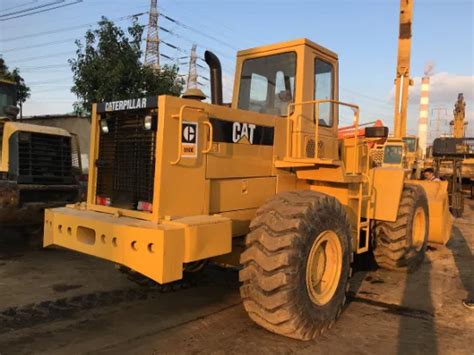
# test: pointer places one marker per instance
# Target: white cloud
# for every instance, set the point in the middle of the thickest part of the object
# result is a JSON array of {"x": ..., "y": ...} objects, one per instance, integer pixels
[{"x": 444, "y": 89}]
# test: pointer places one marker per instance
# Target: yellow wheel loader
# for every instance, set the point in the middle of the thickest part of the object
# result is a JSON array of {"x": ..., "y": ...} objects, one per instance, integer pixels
[
  {"x": 39, "y": 168},
  {"x": 264, "y": 180}
]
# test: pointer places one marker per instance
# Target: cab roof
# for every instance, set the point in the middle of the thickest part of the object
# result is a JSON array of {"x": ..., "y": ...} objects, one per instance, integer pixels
[{"x": 284, "y": 45}]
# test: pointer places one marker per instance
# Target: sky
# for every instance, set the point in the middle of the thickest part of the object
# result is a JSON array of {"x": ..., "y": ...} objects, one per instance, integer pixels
[{"x": 362, "y": 32}]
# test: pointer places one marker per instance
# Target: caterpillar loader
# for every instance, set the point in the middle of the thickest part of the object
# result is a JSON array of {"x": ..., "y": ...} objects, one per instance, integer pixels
[
  {"x": 39, "y": 167},
  {"x": 266, "y": 181}
]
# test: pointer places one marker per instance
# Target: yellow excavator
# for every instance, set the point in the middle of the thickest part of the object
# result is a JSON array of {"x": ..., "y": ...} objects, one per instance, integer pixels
[{"x": 453, "y": 158}]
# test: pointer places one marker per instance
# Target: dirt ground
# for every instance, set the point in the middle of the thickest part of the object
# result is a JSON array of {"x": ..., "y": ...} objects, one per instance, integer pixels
[{"x": 58, "y": 302}]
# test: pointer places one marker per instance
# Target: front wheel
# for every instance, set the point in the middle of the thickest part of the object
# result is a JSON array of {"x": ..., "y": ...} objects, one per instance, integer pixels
[
  {"x": 297, "y": 264},
  {"x": 401, "y": 245}
]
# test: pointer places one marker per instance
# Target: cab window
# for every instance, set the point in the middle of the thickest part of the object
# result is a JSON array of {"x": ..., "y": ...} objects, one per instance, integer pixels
[
  {"x": 410, "y": 143},
  {"x": 324, "y": 90},
  {"x": 267, "y": 84},
  {"x": 393, "y": 154}
]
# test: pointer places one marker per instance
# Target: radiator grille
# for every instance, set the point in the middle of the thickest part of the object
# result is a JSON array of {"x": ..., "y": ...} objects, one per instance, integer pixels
[
  {"x": 126, "y": 161},
  {"x": 44, "y": 158}
]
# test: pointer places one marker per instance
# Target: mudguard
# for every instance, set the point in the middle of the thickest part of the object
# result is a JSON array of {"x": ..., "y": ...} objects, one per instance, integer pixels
[{"x": 441, "y": 220}]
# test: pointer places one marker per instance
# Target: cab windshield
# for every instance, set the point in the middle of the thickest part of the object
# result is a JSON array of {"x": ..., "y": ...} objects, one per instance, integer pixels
[
  {"x": 410, "y": 143},
  {"x": 392, "y": 154},
  {"x": 267, "y": 84}
]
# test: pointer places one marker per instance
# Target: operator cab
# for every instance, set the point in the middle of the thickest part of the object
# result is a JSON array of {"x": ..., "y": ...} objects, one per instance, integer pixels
[
  {"x": 411, "y": 144},
  {"x": 394, "y": 153},
  {"x": 274, "y": 80}
]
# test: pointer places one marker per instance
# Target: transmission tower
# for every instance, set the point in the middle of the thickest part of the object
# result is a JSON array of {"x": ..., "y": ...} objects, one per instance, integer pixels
[
  {"x": 438, "y": 120},
  {"x": 152, "y": 52},
  {"x": 192, "y": 74}
]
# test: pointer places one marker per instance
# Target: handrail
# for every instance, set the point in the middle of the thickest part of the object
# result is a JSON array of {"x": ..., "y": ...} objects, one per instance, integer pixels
[
  {"x": 180, "y": 128},
  {"x": 291, "y": 105},
  {"x": 211, "y": 142}
]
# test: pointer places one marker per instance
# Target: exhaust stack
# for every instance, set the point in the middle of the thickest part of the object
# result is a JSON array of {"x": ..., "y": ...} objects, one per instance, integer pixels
[{"x": 216, "y": 77}]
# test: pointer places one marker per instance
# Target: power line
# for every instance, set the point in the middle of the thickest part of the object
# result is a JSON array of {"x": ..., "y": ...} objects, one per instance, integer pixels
[
  {"x": 42, "y": 57},
  {"x": 65, "y": 29},
  {"x": 38, "y": 45},
  {"x": 52, "y": 66},
  {"x": 366, "y": 96},
  {"x": 178, "y": 35},
  {"x": 179, "y": 23},
  {"x": 45, "y": 10},
  {"x": 21, "y": 5},
  {"x": 32, "y": 8},
  {"x": 53, "y": 80},
  {"x": 231, "y": 32}
]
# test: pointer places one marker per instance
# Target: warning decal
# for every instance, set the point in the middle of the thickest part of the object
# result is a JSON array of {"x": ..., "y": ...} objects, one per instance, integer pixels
[{"x": 189, "y": 140}]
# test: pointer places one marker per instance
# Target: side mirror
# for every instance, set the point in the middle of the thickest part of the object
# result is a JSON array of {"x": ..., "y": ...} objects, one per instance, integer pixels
[{"x": 376, "y": 132}]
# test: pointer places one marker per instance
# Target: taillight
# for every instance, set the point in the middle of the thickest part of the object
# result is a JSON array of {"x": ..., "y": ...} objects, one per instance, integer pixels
[
  {"x": 103, "y": 201},
  {"x": 144, "y": 206}
]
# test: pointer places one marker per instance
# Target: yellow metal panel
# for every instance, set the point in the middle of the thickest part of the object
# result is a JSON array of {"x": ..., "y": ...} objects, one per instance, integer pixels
[
  {"x": 156, "y": 251},
  {"x": 286, "y": 182},
  {"x": 339, "y": 191},
  {"x": 240, "y": 220},
  {"x": 329, "y": 174},
  {"x": 441, "y": 220},
  {"x": 205, "y": 236},
  {"x": 238, "y": 194},
  {"x": 285, "y": 46},
  {"x": 387, "y": 190},
  {"x": 180, "y": 189},
  {"x": 234, "y": 160}
]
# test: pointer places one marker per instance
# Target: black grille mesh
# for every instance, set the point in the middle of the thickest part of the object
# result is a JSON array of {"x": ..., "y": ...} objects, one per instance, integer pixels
[
  {"x": 126, "y": 161},
  {"x": 44, "y": 158}
]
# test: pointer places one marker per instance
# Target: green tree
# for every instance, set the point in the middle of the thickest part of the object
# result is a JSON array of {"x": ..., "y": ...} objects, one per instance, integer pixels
[
  {"x": 108, "y": 67},
  {"x": 22, "y": 90}
]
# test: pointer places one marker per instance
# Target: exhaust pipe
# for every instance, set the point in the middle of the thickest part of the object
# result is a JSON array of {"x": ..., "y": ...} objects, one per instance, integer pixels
[{"x": 216, "y": 77}]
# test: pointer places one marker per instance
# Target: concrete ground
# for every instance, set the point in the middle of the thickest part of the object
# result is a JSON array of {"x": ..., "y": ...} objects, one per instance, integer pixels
[{"x": 59, "y": 302}]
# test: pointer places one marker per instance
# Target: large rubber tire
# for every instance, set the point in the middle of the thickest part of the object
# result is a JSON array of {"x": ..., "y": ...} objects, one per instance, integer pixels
[
  {"x": 274, "y": 274},
  {"x": 396, "y": 246}
]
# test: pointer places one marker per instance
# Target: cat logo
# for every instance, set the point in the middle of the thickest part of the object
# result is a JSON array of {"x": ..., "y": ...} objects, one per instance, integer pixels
[
  {"x": 189, "y": 140},
  {"x": 243, "y": 132}
]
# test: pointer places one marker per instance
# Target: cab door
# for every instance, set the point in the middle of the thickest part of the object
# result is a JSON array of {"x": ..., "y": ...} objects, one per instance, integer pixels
[{"x": 323, "y": 86}]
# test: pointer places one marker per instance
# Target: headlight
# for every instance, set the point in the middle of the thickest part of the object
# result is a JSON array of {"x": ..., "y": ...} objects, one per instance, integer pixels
[
  {"x": 103, "y": 126},
  {"x": 148, "y": 123}
]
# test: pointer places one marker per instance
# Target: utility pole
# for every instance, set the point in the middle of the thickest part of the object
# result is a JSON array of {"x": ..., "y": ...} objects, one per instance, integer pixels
[
  {"x": 152, "y": 52},
  {"x": 438, "y": 119},
  {"x": 192, "y": 73}
]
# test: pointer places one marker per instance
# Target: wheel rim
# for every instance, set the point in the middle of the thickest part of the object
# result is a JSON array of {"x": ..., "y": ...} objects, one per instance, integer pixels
[
  {"x": 418, "y": 228},
  {"x": 323, "y": 269}
]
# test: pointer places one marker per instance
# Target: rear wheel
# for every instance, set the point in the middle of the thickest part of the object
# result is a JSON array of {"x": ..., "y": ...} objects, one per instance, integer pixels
[
  {"x": 401, "y": 245},
  {"x": 297, "y": 264}
]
